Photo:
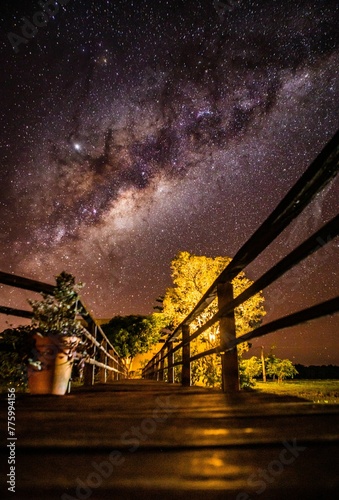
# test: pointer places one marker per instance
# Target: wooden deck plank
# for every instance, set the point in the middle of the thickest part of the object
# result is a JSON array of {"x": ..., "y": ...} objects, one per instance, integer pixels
[
  {"x": 172, "y": 442},
  {"x": 173, "y": 432},
  {"x": 219, "y": 473}
]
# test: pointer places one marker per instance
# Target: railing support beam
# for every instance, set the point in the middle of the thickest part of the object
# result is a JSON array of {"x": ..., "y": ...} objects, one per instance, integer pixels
[
  {"x": 89, "y": 370},
  {"x": 170, "y": 361},
  {"x": 186, "y": 355},
  {"x": 162, "y": 365},
  {"x": 229, "y": 360},
  {"x": 103, "y": 359}
]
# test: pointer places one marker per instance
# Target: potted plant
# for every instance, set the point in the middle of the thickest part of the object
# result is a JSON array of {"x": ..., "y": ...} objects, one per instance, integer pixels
[{"x": 49, "y": 346}]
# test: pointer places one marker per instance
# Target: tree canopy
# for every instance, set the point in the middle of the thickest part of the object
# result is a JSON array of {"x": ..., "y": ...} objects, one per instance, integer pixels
[
  {"x": 134, "y": 334},
  {"x": 250, "y": 368},
  {"x": 192, "y": 276},
  {"x": 275, "y": 367},
  {"x": 280, "y": 368}
]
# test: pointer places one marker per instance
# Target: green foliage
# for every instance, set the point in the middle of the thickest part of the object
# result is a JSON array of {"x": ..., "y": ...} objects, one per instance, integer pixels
[
  {"x": 192, "y": 275},
  {"x": 134, "y": 334},
  {"x": 285, "y": 369},
  {"x": 56, "y": 314},
  {"x": 249, "y": 370},
  {"x": 280, "y": 368},
  {"x": 16, "y": 345},
  {"x": 207, "y": 371}
]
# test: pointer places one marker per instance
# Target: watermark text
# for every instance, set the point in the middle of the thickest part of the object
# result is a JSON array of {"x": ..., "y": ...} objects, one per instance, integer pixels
[
  {"x": 11, "y": 440},
  {"x": 40, "y": 19}
]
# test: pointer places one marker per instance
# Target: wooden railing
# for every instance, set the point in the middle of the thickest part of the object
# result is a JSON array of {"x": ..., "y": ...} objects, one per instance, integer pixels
[
  {"x": 102, "y": 354},
  {"x": 102, "y": 361},
  {"x": 323, "y": 170}
]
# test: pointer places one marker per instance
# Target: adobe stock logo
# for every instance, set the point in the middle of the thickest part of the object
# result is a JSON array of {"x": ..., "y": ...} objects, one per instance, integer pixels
[{"x": 29, "y": 29}]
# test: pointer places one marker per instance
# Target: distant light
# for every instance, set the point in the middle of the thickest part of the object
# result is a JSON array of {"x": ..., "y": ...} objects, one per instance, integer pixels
[{"x": 77, "y": 146}]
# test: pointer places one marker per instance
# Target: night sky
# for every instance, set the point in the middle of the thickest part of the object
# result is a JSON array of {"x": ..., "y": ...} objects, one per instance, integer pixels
[{"x": 131, "y": 130}]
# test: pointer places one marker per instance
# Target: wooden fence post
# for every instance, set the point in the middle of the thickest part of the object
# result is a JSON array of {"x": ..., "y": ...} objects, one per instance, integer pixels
[
  {"x": 154, "y": 368},
  {"x": 111, "y": 363},
  {"x": 229, "y": 360},
  {"x": 106, "y": 362},
  {"x": 162, "y": 365},
  {"x": 103, "y": 359},
  {"x": 263, "y": 364},
  {"x": 158, "y": 365},
  {"x": 117, "y": 366},
  {"x": 186, "y": 354},
  {"x": 89, "y": 370},
  {"x": 122, "y": 369},
  {"x": 170, "y": 361},
  {"x": 87, "y": 376}
]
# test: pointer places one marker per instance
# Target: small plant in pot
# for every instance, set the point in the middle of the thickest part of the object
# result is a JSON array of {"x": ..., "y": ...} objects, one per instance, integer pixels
[{"x": 53, "y": 340}]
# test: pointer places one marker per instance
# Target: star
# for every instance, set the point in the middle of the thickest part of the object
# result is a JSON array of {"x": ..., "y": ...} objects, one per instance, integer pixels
[{"x": 132, "y": 131}]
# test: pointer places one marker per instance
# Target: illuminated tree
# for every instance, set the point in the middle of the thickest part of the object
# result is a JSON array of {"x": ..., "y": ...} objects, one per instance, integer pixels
[
  {"x": 192, "y": 275},
  {"x": 280, "y": 368},
  {"x": 249, "y": 369}
]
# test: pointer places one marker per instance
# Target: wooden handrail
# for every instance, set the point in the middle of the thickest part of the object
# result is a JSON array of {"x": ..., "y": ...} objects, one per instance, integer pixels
[
  {"x": 321, "y": 171},
  {"x": 40, "y": 287},
  {"x": 20, "y": 313},
  {"x": 327, "y": 308}
]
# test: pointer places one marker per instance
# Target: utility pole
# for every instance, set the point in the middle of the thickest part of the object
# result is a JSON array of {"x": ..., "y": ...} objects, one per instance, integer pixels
[{"x": 263, "y": 364}]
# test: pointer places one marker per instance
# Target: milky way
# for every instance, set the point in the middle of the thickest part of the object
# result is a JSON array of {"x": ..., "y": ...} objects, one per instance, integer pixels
[{"x": 133, "y": 130}]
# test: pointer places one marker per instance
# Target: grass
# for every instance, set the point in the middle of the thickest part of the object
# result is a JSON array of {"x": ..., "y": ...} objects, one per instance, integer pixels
[{"x": 317, "y": 391}]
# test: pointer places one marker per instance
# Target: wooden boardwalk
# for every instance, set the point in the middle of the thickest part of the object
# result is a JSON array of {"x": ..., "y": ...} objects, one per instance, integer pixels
[{"x": 141, "y": 439}]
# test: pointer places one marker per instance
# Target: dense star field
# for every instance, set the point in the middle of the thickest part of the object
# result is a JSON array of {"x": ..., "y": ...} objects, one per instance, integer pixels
[{"x": 131, "y": 130}]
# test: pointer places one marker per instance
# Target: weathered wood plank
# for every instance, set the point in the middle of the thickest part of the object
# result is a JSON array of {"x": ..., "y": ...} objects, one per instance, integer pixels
[
  {"x": 310, "y": 473},
  {"x": 159, "y": 440}
]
